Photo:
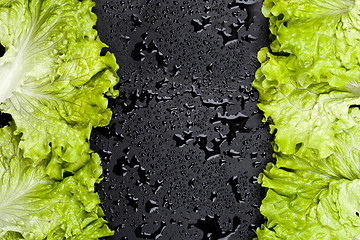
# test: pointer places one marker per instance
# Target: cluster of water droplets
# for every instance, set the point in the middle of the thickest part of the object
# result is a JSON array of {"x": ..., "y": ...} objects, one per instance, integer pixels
[{"x": 186, "y": 144}]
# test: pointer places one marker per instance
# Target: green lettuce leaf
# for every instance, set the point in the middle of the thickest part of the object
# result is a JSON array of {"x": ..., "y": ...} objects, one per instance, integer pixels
[
  {"x": 322, "y": 34},
  {"x": 309, "y": 91},
  {"x": 312, "y": 189},
  {"x": 34, "y": 206},
  {"x": 313, "y": 198},
  {"x": 303, "y": 113},
  {"x": 53, "y": 79}
]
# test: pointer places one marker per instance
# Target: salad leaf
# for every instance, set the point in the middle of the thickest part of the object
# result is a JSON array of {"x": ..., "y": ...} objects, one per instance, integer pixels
[
  {"x": 309, "y": 91},
  {"x": 303, "y": 113},
  {"x": 34, "y": 206},
  {"x": 53, "y": 79},
  {"x": 311, "y": 198},
  {"x": 322, "y": 34}
]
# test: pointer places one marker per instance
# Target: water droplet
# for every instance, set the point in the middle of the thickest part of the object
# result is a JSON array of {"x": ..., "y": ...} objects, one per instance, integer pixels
[
  {"x": 133, "y": 201},
  {"x": 233, "y": 36},
  {"x": 216, "y": 104},
  {"x": 162, "y": 83},
  {"x": 138, "y": 53},
  {"x": 256, "y": 164},
  {"x": 207, "y": 9},
  {"x": 189, "y": 106},
  {"x": 151, "y": 206},
  {"x": 211, "y": 228},
  {"x": 236, "y": 124},
  {"x": 233, "y": 154},
  {"x": 213, "y": 196},
  {"x": 182, "y": 140},
  {"x": 161, "y": 60},
  {"x": 200, "y": 25},
  {"x": 234, "y": 183},
  {"x": 196, "y": 209},
  {"x": 144, "y": 178},
  {"x": 249, "y": 38},
  {"x": 252, "y": 228},
  {"x": 191, "y": 183},
  {"x": 254, "y": 155},
  {"x": 222, "y": 162},
  {"x": 210, "y": 153},
  {"x": 155, "y": 235},
  {"x": 136, "y": 20},
  {"x": 167, "y": 203},
  {"x": 193, "y": 92},
  {"x": 175, "y": 71},
  {"x": 253, "y": 180},
  {"x": 209, "y": 67},
  {"x": 152, "y": 48},
  {"x": 248, "y": 5},
  {"x": 157, "y": 185}
]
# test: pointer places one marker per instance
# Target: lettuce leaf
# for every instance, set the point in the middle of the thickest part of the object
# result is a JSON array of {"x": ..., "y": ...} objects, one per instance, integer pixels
[
  {"x": 53, "y": 79},
  {"x": 303, "y": 113},
  {"x": 310, "y": 198},
  {"x": 309, "y": 92},
  {"x": 53, "y": 82},
  {"x": 322, "y": 34},
  {"x": 34, "y": 206}
]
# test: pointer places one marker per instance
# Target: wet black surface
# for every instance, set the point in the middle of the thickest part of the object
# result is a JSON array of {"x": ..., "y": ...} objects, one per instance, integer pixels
[
  {"x": 2, "y": 50},
  {"x": 186, "y": 143},
  {"x": 5, "y": 119}
]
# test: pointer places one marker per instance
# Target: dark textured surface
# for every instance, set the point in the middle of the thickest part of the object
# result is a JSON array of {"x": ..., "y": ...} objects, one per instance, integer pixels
[{"x": 186, "y": 142}]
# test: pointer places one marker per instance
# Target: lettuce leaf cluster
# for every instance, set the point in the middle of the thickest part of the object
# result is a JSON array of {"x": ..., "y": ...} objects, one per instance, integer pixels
[
  {"x": 54, "y": 82},
  {"x": 309, "y": 91}
]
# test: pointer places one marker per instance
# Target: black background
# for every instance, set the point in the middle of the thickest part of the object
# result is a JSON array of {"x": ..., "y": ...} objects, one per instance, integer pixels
[{"x": 186, "y": 143}]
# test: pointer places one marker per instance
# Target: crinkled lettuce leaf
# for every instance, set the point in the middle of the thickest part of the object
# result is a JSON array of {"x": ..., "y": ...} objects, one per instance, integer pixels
[
  {"x": 53, "y": 79},
  {"x": 308, "y": 87},
  {"x": 33, "y": 206},
  {"x": 322, "y": 34},
  {"x": 314, "y": 198},
  {"x": 303, "y": 113}
]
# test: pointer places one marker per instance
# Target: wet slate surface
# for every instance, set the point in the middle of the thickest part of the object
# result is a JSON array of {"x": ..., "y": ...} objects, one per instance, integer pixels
[{"x": 186, "y": 142}]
